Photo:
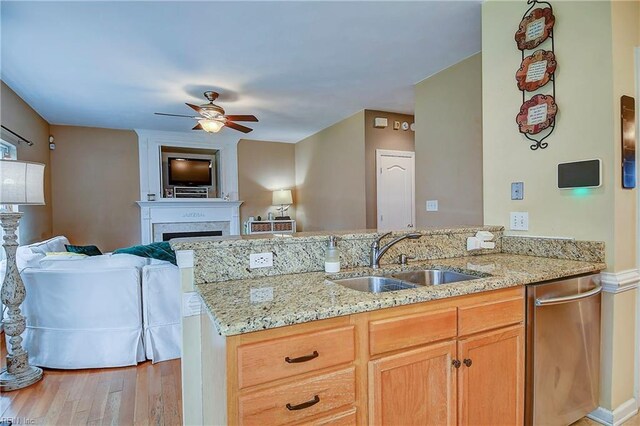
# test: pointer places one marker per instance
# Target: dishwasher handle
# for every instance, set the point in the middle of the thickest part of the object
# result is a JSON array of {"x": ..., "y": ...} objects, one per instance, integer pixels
[{"x": 568, "y": 299}]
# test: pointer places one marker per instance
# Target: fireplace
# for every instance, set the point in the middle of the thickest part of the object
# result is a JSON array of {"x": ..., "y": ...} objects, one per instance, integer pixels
[
  {"x": 167, "y": 231},
  {"x": 188, "y": 218},
  {"x": 166, "y": 236}
]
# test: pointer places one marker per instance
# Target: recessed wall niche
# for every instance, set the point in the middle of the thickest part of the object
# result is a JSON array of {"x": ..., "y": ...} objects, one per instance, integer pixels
[{"x": 171, "y": 152}]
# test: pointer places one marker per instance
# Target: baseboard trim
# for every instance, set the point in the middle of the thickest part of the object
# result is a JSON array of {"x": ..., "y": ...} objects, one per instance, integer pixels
[
  {"x": 621, "y": 414},
  {"x": 618, "y": 282}
]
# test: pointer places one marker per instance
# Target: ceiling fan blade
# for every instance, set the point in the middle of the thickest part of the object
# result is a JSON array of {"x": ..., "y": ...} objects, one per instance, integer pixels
[
  {"x": 196, "y": 108},
  {"x": 241, "y": 117},
  {"x": 197, "y": 127},
  {"x": 237, "y": 126},
  {"x": 177, "y": 115}
]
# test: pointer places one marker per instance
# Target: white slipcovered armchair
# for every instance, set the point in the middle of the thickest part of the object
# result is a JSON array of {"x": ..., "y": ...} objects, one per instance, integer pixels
[
  {"x": 99, "y": 311},
  {"x": 161, "y": 296}
]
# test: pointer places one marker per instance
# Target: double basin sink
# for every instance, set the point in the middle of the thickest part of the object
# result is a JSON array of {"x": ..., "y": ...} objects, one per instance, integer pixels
[{"x": 403, "y": 280}]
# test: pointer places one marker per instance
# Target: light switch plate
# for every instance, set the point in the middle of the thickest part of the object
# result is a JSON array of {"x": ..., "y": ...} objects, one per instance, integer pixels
[
  {"x": 432, "y": 205},
  {"x": 519, "y": 221},
  {"x": 517, "y": 190}
]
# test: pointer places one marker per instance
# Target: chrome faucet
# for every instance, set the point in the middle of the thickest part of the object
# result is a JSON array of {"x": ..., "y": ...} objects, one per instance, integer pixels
[{"x": 377, "y": 251}]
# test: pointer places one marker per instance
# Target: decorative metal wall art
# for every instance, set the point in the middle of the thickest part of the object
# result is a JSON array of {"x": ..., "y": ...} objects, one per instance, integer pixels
[{"x": 537, "y": 116}]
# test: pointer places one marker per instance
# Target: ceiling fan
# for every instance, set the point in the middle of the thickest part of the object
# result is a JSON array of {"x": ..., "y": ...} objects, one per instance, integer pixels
[{"x": 212, "y": 118}]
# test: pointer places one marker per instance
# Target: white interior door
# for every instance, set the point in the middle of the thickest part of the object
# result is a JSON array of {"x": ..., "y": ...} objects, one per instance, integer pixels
[{"x": 395, "y": 185}]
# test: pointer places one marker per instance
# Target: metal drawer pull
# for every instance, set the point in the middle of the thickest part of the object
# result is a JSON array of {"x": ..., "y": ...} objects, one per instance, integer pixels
[
  {"x": 305, "y": 358},
  {"x": 567, "y": 299},
  {"x": 304, "y": 405},
  {"x": 467, "y": 362}
]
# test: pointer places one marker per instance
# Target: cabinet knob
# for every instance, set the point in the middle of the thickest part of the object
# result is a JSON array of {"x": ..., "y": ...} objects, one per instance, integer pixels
[
  {"x": 467, "y": 362},
  {"x": 456, "y": 363}
]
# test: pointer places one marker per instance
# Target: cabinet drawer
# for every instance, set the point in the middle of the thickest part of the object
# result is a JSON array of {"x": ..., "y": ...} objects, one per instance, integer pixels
[
  {"x": 475, "y": 318},
  {"x": 342, "y": 418},
  {"x": 411, "y": 330},
  {"x": 285, "y": 357},
  {"x": 301, "y": 399}
]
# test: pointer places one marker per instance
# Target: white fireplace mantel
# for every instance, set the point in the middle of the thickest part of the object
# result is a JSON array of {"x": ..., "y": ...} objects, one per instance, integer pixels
[{"x": 188, "y": 211}]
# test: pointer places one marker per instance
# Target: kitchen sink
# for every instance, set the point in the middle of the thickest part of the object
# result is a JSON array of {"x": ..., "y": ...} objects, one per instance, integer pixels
[
  {"x": 433, "y": 277},
  {"x": 374, "y": 284},
  {"x": 404, "y": 280}
]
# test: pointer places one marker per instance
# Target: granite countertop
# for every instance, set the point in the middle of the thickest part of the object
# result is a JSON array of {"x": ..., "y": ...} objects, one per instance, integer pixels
[{"x": 243, "y": 306}]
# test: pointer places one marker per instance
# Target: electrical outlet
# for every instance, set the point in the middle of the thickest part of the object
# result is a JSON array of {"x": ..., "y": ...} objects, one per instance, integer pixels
[
  {"x": 519, "y": 221},
  {"x": 432, "y": 205},
  {"x": 517, "y": 190},
  {"x": 260, "y": 260}
]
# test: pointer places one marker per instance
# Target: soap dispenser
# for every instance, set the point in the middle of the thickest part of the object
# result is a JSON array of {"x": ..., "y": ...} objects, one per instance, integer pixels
[{"x": 332, "y": 258}]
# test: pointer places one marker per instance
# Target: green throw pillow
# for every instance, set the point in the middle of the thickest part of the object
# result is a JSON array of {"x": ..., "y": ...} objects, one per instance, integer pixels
[
  {"x": 88, "y": 250},
  {"x": 160, "y": 251}
]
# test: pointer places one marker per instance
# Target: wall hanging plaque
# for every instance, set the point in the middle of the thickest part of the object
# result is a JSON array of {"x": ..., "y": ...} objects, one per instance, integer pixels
[
  {"x": 535, "y": 28},
  {"x": 537, "y": 114},
  {"x": 628, "y": 127},
  {"x": 536, "y": 70}
]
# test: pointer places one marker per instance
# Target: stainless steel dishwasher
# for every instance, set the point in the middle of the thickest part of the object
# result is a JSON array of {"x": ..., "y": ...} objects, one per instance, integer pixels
[{"x": 563, "y": 350}]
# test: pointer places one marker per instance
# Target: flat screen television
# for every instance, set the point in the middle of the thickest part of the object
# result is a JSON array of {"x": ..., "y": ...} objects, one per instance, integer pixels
[{"x": 189, "y": 172}]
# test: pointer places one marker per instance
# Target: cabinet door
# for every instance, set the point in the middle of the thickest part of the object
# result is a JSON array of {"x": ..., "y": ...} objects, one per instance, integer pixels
[
  {"x": 415, "y": 387},
  {"x": 491, "y": 378}
]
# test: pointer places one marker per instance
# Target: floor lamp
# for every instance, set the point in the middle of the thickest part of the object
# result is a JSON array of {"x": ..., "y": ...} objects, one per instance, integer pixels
[{"x": 21, "y": 183}]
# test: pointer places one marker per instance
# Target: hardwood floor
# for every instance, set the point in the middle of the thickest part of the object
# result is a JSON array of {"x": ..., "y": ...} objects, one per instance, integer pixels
[{"x": 145, "y": 394}]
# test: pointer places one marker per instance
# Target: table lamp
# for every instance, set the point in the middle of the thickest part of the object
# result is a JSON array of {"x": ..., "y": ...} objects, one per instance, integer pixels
[
  {"x": 284, "y": 199},
  {"x": 21, "y": 183}
]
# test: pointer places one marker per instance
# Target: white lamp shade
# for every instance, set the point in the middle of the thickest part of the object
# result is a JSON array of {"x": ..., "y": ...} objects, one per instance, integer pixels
[
  {"x": 283, "y": 196},
  {"x": 211, "y": 126},
  {"x": 21, "y": 182}
]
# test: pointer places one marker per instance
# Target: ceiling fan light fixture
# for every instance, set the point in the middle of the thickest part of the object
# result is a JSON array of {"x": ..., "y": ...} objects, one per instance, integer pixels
[{"x": 211, "y": 126}]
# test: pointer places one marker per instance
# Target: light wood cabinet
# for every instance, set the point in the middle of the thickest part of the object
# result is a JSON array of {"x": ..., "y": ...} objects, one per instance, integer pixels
[
  {"x": 397, "y": 366},
  {"x": 292, "y": 355},
  {"x": 491, "y": 378},
  {"x": 299, "y": 400},
  {"x": 411, "y": 330},
  {"x": 416, "y": 387}
]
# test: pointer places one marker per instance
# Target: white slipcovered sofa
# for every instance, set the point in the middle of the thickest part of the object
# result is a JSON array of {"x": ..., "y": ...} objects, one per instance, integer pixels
[{"x": 100, "y": 311}]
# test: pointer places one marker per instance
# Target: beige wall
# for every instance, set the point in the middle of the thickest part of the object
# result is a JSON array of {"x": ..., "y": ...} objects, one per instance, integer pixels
[
  {"x": 36, "y": 224},
  {"x": 95, "y": 186},
  {"x": 264, "y": 167},
  {"x": 621, "y": 317},
  {"x": 625, "y": 30},
  {"x": 588, "y": 96},
  {"x": 583, "y": 131},
  {"x": 449, "y": 145},
  {"x": 387, "y": 138},
  {"x": 330, "y": 177}
]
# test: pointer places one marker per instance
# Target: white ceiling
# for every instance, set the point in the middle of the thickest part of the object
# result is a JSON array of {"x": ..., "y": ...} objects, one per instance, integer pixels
[{"x": 298, "y": 66}]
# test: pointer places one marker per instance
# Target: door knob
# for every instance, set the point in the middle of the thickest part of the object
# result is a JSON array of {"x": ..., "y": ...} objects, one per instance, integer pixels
[
  {"x": 467, "y": 362},
  {"x": 456, "y": 363}
]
